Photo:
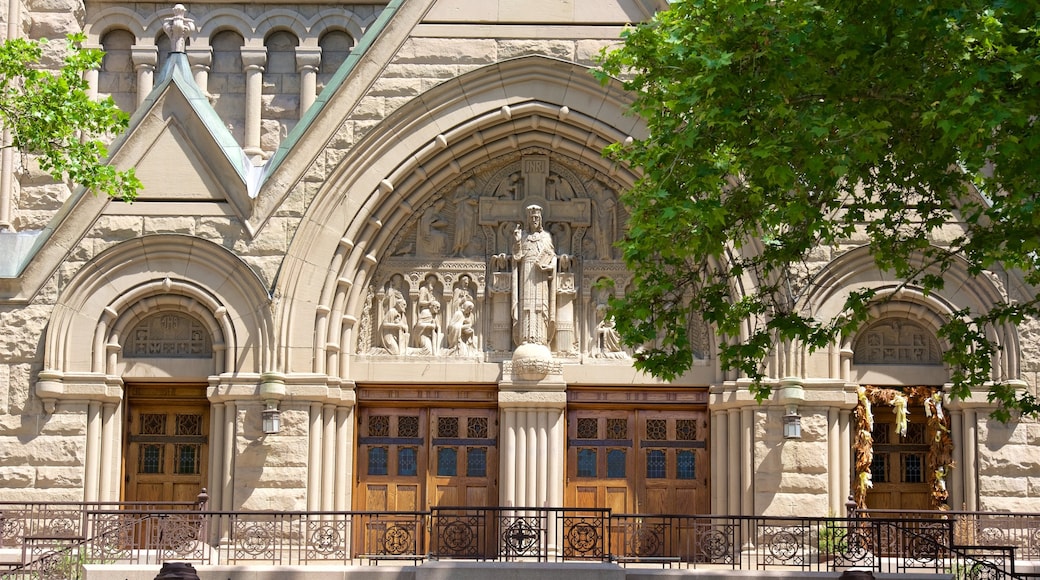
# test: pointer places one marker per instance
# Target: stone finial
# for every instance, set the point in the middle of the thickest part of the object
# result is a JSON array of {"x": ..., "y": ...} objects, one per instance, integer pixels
[{"x": 178, "y": 27}]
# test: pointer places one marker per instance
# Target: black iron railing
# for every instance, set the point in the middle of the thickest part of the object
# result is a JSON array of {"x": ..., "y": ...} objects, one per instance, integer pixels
[{"x": 55, "y": 538}]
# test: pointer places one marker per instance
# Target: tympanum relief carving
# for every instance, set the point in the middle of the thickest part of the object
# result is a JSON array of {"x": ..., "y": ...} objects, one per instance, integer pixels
[{"x": 503, "y": 256}]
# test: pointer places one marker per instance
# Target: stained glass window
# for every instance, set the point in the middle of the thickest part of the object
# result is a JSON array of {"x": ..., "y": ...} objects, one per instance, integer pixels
[
  {"x": 616, "y": 463},
  {"x": 655, "y": 464},
  {"x": 476, "y": 462},
  {"x": 685, "y": 464},
  {"x": 377, "y": 460},
  {"x": 587, "y": 463},
  {"x": 447, "y": 461},
  {"x": 151, "y": 458},
  {"x": 407, "y": 461},
  {"x": 188, "y": 459}
]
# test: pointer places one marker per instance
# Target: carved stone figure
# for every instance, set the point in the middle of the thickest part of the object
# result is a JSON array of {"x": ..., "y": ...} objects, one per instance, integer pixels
[
  {"x": 604, "y": 225},
  {"x": 461, "y": 340},
  {"x": 393, "y": 329},
  {"x": 427, "y": 331},
  {"x": 534, "y": 298},
  {"x": 432, "y": 241},
  {"x": 608, "y": 340},
  {"x": 466, "y": 200}
]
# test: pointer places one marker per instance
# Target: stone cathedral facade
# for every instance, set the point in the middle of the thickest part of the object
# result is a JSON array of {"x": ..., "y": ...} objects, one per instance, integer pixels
[{"x": 389, "y": 226}]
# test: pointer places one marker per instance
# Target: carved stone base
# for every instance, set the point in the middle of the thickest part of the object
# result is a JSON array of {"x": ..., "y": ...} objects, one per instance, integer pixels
[{"x": 533, "y": 362}]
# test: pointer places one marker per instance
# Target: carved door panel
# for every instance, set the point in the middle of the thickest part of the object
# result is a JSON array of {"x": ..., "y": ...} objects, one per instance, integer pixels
[
  {"x": 410, "y": 459},
  {"x": 464, "y": 458},
  {"x": 673, "y": 451},
  {"x": 167, "y": 443},
  {"x": 899, "y": 470},
  {"x": 392, "y": 458},
  {"x": 600, "y": 460},
  {"x": 645, "y": 461}
]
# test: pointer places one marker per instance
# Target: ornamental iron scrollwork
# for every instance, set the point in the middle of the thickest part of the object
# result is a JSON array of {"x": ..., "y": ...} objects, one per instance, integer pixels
[
  {"x": 398, "y": 540},
  {"x": 784, "y": 545},
  {"x": 180, "y": 537},
  {"x": 716, "y": 546},
  {"x": 646, "y": 541},
  {"x": 520, "y": 537},
  {"x": 583, "y": 538},
  {"x": 459, "y": 538},
  {"x": 254, "y": 540}
]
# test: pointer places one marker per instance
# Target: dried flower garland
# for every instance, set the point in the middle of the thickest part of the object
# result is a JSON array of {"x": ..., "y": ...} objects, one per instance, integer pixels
[{"x": 939, "y": 459}]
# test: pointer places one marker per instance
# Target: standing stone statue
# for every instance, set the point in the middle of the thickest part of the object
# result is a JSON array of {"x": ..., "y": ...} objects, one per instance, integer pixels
[
  {"x": 466, "y": 199},
  {"x": 427, "y": 332},
  {"x": 534, "y": 270}
]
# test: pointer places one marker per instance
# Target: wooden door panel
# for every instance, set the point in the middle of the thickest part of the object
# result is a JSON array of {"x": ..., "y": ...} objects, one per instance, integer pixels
[
  {"x": 376, "y": 498},
  {"x": 167, "y": 443},
  {"x": 407, "y": 498},
  {"x": 638, "y": 461},
  {"x": 899, "y": 469},
  {"x": 391, "y": 457},
  {"x": 464, "y": 448},
  {"x": 427, "y": 457}
]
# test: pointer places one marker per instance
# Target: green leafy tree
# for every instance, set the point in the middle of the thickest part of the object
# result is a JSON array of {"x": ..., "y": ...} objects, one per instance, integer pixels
[
  {"x": 51, "y": 116},
  {"x": 776, "y": 128}
]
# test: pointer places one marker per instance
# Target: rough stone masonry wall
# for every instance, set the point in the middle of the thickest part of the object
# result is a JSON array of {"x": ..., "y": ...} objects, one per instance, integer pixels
[{"x": 790, "y": 475}]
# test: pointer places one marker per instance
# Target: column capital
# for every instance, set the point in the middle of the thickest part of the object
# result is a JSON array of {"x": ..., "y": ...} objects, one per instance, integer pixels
[
  {"x": 199, "y": 57},
  {"x": 308, "y": 58},
  {"x": 254, "y": 58},
  {"x": 143, "y": 55}
]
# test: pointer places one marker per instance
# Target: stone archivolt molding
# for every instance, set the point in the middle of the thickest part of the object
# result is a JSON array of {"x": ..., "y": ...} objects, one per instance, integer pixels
[
  {"x": 400, "y": 167},
  {"x": 137, "y": 279},
  {"x": 856, "y": 268}
]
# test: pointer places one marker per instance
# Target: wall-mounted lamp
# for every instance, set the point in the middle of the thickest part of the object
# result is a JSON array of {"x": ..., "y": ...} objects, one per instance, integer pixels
[
  {"x": 792, "y": 424},
  {"x": 791, "y": 395},
  {"x": 272, "y": 390},
  {"x": 271, "y": 418}
]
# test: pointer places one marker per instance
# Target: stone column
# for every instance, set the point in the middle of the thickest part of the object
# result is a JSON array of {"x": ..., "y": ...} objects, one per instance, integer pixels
[
  {"x": 230, "y": 423},
  {"x": 955, "y": 479},
  {"x": 747, "y": 453},
  {"x": 719, "y": 473},
  {"x": 91, "y": 76},
  {"x": 328, "y": 458},
  {"x": 111, "y": 442},
  {"x": 308, "y": 60},
  {"x": 533, "y": 443},
  {"x": 314, "y": 449},
  {"x": 216, "y": 448},
  {"x": 835, "y": 502},
  {"x": 845, "y": 438},
  {"x": 200, "y": 59},
  {"x": 92, "y": 466},
  {"x": 733, "y": 463},
  {"x": 968, "y": 472},
  {"x": 344, "y": 456},
  {"x": 253, "y": 61},
  {"x": 507, "y": 457},
  {"x": 144, "y": 59}
]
